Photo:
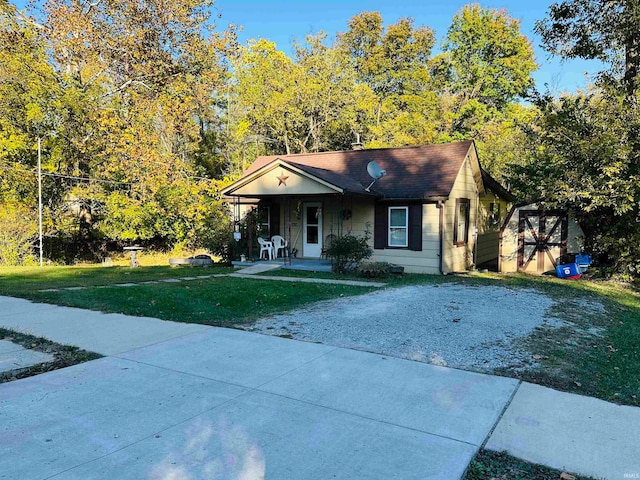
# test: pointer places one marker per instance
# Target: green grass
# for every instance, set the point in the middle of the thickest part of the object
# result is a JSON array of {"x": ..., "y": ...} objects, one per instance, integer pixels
[
  {"x": 63, "y": 355},
  {"x": 569, "y": 358},
  {"x": 488, "y": 465},
  {"x": 23, "y": 281},
  {"x": 222, "y": 301}
]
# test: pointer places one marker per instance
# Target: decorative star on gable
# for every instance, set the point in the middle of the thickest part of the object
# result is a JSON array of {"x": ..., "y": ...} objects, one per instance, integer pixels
[{"x": 282, "y": 179}]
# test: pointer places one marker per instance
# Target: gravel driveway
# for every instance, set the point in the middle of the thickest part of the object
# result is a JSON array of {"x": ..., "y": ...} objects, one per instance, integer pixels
[{"x": 460, "y": 326}]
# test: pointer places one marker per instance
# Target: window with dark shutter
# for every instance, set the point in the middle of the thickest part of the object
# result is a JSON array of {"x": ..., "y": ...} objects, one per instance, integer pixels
[
  {"x": 398, "y": 226},
  {"x": 380, "y": 227}
]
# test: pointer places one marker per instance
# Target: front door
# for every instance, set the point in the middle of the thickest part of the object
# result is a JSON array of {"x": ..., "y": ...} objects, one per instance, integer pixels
[
  {"x": 542, "y": 239},
  {"x": 312, "y": 241}
]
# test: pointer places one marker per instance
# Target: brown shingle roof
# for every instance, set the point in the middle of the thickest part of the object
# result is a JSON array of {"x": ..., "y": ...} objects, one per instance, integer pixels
[{"x": 412, "y": 172}]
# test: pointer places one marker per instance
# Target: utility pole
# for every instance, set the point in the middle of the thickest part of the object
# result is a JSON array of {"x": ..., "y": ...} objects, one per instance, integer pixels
[{"x": 40, "y": 196}]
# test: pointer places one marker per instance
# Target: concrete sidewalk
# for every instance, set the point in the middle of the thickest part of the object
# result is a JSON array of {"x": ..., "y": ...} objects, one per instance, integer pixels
[
  {"x": 188, "y": 401},
  {"x": 104, "y": 333},
  {"x": 570, "y": 432}
]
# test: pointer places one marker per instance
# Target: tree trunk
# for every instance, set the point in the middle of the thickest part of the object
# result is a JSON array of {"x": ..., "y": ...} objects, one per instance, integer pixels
[{"x": 632, "y": 47}]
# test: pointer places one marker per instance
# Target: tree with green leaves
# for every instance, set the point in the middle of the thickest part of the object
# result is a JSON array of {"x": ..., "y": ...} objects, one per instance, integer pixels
[
  {"x": 585, "y": 157},
  {"x": 265, "y": 87},
  {"x": 585, "y": 147},
  {"x": 126, "y": 94},
  {"x": 307, "y": 103},
  {"x": 137, "y": 78},
  {"x": 608, "y": 31},
  {"x": 328, "y": 94},
  {"x": 486, "y": 57},
  {"x": 484, "y": 69},
  {"x": 29, "y": 88},
  {"x": 393, "y": 64}
]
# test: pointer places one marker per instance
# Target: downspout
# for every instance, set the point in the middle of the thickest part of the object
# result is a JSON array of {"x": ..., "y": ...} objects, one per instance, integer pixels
[{"x": 440, "y": 207}]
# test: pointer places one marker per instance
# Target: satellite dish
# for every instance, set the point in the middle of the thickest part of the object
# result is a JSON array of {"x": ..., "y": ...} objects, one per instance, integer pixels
[{"x": 375, "y": 172}]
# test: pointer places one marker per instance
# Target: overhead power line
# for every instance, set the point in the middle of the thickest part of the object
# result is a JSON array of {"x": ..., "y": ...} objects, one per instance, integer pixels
[
  {"x": 88, "y": 179},
  {"x": 59, "y": 175},
  {"x": 18, "y": 167}
]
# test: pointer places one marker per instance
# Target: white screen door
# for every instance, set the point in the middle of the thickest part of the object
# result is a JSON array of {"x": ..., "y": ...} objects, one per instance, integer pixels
[{"x": 312, "y": 246}]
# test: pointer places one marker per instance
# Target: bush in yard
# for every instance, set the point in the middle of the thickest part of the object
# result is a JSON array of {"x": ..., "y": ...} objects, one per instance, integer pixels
[
  {"x": 18, "y": 229},
  {"x": 348, "y": 251},
  {"x": 219, "y": 238}
]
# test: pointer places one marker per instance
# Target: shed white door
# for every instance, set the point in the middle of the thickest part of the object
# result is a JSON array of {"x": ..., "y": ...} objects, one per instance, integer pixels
[{"x": 312, "y": 235}]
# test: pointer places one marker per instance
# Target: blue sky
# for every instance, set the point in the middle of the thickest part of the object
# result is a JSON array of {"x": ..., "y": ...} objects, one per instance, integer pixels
[{"x": 283, "y": 20}]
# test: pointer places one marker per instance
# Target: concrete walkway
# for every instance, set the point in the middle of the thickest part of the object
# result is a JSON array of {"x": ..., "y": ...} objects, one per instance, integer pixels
[
  {"x": 353, "y": 283},
  {"x": 248, "y": 272},
  {"x": 16, "y": 357},
  {"x": 189, "y": 401},
  {"x": 104, "y": 333}
]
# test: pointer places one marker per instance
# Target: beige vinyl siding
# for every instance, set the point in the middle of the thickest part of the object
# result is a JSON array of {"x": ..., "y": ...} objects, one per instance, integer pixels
[
  {"x": 489, "y": 228},
  {"x": 425, "y": 261},
  {"x": 361, "y": 221},
  {"x": 509, "y": 250},
  {"x": 283, "y": 181},
  {"x": 460, "y": 258}
]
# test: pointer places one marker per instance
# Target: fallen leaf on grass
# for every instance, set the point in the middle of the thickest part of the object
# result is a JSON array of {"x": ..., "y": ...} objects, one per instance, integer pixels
[
  {"x": 566, "y": 476},
  {"x": 578, "y": 384}
]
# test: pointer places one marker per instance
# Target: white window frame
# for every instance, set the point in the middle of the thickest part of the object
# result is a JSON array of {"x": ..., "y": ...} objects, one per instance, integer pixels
[{"x": 406, "y": 227}]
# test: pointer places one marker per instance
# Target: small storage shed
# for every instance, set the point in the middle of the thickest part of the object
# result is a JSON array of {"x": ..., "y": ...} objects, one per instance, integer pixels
[{"x": 533, "y": 239}]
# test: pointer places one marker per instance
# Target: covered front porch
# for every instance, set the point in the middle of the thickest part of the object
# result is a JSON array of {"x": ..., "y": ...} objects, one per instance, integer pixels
[
  {"x": 307, "y": 223},
  {"x": 307, "y": 207}
]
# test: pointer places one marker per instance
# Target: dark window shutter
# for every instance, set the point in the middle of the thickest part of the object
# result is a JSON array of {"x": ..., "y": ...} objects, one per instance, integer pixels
[
  {"x": 380, "y": 226},
  {"x": 415, "y": 227},
  {"x": 275, "y": 219}
]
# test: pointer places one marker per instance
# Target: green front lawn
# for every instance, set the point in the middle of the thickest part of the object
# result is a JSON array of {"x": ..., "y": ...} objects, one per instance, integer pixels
[
  {"x": 220, "y": 301},
  {"x": 23, "y": 281}
]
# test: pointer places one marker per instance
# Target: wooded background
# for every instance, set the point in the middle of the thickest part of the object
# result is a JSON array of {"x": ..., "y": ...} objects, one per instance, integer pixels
[{"x": 146, "y": 109}]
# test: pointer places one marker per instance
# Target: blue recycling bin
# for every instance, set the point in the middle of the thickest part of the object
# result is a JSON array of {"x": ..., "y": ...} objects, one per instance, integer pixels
[
  {"x": 583, "y": 261},
  {"x": 570, "y": 270}
]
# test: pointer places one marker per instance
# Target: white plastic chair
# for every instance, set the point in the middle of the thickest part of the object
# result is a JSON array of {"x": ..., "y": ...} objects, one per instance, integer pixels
[
  {"x": 266, "y": 246},
  {"x": 279, "y": 243}
]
